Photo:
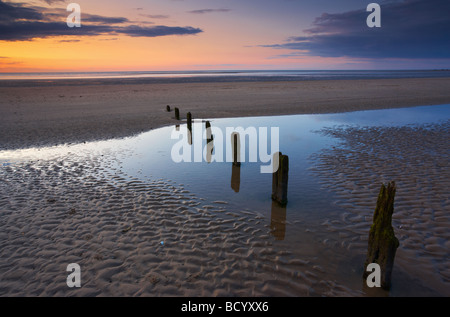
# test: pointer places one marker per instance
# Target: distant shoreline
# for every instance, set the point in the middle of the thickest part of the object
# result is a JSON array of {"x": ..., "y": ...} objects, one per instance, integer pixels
[
  {"x": 183, "y": 77},
  {"x": 53, "y": 114}
]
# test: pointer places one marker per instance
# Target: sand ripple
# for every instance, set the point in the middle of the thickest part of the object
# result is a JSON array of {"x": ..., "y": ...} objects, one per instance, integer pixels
[
  {"x": 417, "y": 158},
  {"x": 137, "y": 238}
]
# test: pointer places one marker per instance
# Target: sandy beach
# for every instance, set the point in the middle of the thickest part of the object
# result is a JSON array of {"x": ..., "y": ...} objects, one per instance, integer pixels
[
  {"x": 416, "y": 157},
  {"x": 49, "y": 113},
  {"x": 155, "y": 238}
]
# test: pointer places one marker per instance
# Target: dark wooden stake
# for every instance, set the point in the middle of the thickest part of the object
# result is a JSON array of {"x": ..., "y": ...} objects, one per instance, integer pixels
[
  {"x": 236, "y": 145},
  {"x": 280, "y": 179},
  {"x": 382, "y": 241},
  {"x": 189, "y": 120},
  {"x": 168, "y": 109},
  {"x": 177, "y": 113}
]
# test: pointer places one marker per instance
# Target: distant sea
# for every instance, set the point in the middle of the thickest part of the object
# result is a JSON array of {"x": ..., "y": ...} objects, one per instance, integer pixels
[{"x": 212, "y": 76}]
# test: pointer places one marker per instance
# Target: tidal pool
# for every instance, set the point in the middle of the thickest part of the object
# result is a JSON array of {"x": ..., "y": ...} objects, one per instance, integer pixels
[{"x": 302, "y": 228}]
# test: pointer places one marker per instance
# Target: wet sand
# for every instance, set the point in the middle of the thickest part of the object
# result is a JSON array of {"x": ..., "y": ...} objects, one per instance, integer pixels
[
  {"x": 416, "y": 158},
  {"x": 141, "y": 238},
  {"x": 50, "y": 113},
  {"x": 154, "y": 238}
]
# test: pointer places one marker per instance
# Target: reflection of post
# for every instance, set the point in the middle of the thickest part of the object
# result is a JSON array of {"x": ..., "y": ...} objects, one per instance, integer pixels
[
  {"x": 280, "y": 179},
  {"x": 278, "y": 221},
  {"x": 236, "y": 147},
  {"x": 177, "y": 127},
  {"x": 209, "y": 142},
  {"x": 209, "y": 150},
  {"x": 236, "y": 178},
  {"x": 189, "y": 132}
]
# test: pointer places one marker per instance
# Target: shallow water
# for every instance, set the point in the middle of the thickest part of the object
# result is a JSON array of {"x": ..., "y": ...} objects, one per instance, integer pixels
[{"x": 298, "y": 229}]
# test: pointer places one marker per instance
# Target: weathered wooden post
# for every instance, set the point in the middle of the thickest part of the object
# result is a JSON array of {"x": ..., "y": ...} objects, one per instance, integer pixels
[
  {"x": 236, "y": 147},
  {"x": 280, "y": 179},
  {"x": 168, "y": 108},
  {"x": 382, "y": 241},
  {"x": 189, "y": 127},
  {"x": 177, "y": 113},
  {"x": 189, "y": 120}
]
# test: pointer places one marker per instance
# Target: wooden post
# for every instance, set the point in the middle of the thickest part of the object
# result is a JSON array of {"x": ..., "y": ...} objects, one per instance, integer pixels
[
  {"x": 189, "y": 127},
  {"x": 168, "y": 108},
  {"x": 280, "y": 179},
  {"x": 382, "y": 241},
  {"x": 189, "y": 120},
  {"x": 236, "y": 147},
  {"x": 177, "y": 113}
]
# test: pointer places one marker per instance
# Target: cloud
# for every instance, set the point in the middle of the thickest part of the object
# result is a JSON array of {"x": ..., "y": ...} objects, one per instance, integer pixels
[
  {"x": 69, "y": 41},
  {"x": 204, "y": 11},
  {"x": 53, "y": 1},
  {"x": 10, "y": 13},
  {"x": 158, "y": 30},
  {"x": 410, "y": 29},
  {"x": 154, "y": 16},
  {"x": 20, "y": 23}
]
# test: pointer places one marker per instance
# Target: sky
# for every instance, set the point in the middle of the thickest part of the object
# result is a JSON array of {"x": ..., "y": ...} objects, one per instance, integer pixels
[{"x": 168, "y": 35}]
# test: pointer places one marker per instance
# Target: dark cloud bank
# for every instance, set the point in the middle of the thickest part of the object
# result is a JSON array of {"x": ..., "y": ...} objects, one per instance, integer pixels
[
  {"x": 410, "y": 29},
  {"x": 21, "y": 23}
]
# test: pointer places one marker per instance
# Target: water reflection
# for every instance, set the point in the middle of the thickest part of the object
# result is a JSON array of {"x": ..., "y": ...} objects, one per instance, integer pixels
[
  {"x": 235, "y": 177},
  {"x": 209, "y": 151},
  {"x": 209, "y": 142},
  {"x": 278, "y": 221},
  {"x": 236, "y": 147}
]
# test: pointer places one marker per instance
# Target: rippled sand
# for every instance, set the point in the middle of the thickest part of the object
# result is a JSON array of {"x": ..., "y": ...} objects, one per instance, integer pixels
[
  {"x": 417, "y": 159},
  {"x": 140, "y": 238}
]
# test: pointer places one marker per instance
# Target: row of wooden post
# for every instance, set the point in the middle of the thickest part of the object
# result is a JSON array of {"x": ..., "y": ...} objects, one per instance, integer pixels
[{"x": 382, "y": 244}]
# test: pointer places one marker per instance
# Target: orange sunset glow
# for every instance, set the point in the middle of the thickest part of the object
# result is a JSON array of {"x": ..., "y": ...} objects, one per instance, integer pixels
[{"x": 184, "y": 35}]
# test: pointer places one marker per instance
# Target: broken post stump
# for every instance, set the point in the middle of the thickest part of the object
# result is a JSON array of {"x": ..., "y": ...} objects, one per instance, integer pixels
[
  {"x": 382, "y": 241},
  {"x": 177, "y": 113},
  {"x": 189, "y": 127},
  {"x": 189, "y": 120},
  {"x": 168, "y": 108},
  {"x": 280, "y": 179}
]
